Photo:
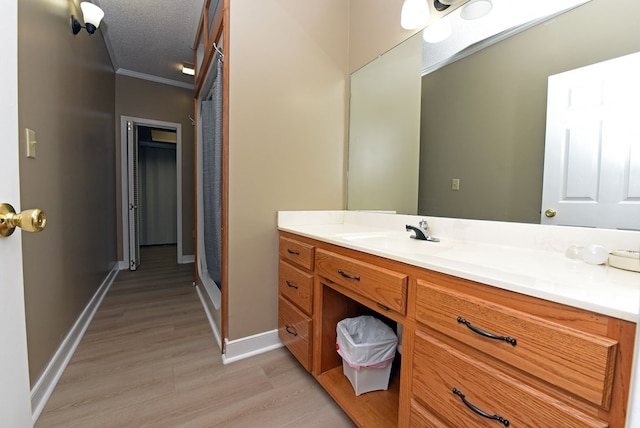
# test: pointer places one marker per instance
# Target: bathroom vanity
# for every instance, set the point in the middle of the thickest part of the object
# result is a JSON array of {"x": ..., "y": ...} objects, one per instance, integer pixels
[{"x": 498, "y": 326}]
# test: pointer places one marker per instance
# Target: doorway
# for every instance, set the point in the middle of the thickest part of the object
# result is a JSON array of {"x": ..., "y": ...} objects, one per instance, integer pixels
[{"x": 146, "y": 186}]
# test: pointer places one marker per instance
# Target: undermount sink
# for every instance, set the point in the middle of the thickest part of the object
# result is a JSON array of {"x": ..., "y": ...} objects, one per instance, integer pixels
[{"x": 395, "y": 242}]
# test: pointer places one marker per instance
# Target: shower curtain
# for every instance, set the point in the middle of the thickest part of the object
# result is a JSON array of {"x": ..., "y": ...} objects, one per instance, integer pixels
[{"x": 211, "y": 114}]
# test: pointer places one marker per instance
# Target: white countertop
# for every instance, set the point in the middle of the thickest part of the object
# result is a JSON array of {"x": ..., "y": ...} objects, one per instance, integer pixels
[{"x": 525, "y": 258}]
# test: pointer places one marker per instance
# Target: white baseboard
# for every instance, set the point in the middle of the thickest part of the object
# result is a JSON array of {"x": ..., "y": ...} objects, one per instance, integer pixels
[
  {"x": 190, "y": 258},
  {"x": 249, "y": 346},
  {"x": 245, "y": 347},
  {"x": 45, "y": 384},
  {"x": 212, "y": 323}
]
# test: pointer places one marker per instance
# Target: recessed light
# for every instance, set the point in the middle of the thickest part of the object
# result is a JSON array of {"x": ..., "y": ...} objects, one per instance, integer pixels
[
  {"x": 187, "y": 68},
  {"x": 476, "y": 9}
]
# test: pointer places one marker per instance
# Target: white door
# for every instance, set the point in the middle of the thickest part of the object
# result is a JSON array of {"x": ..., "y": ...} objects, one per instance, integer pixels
[
  {"x": 592, "y": 152},
  {"x": 15, "y": 406},
  {"x": 134, "y": 212}
]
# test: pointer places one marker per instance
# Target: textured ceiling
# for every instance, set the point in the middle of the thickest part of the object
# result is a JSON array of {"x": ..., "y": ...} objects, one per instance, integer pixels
[{"x": 151, "y": 38}]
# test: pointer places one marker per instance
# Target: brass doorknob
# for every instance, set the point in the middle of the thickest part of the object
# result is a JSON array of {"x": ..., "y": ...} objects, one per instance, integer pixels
[
  {"x": 550, "y": 213},
  {"x": 33, "y": 220}
]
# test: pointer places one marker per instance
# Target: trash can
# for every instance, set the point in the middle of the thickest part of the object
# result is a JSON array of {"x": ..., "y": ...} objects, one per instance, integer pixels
[{"x": 367, "y": 347}]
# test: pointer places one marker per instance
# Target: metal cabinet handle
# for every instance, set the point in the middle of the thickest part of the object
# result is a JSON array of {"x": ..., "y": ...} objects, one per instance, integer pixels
[
  {"x": 481, "y": 332},
  {"x": 290, "y": 331},
  {"x": 346, "y": 275},
  {"x": 482, "y": 413},
  {"x": 295, "y": 253},
  {"x": 291, "y": 285}
]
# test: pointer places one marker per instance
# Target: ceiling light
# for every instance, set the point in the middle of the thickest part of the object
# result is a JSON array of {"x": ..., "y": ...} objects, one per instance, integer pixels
[
  {"x": 92, "y": 16},
  {"x": 438, "y": 31},
  {"x": 187, "y": 68},
  {"x": 440, "y": 5},
  {"x": 415, "y": 14},
  {"x": 476, "y": 9}
]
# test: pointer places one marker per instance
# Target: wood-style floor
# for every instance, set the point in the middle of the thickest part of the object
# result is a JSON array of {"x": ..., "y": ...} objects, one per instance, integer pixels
[{"x": 149, "y": 359}]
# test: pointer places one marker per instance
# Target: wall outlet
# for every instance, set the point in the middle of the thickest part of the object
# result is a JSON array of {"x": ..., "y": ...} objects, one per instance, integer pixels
[{"x": 455, "y": 184}]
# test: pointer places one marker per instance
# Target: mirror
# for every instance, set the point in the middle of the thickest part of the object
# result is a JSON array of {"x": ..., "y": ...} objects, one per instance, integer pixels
[{"x": 482, "y": 119}]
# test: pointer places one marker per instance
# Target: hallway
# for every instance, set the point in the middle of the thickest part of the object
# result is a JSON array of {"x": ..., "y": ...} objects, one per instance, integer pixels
[{"x": 149, "y": 358}]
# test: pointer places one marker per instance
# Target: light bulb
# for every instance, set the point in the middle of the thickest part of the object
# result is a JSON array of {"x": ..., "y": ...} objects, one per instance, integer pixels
[{"x": 415, "y": 14}]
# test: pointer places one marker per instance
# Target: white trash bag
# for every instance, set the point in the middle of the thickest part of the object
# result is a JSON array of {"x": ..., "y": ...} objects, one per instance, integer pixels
[{"x": 366, "y": 341}]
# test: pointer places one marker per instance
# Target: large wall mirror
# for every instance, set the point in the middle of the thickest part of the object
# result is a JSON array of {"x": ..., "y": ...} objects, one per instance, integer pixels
[{"x": 481, "y": 119}]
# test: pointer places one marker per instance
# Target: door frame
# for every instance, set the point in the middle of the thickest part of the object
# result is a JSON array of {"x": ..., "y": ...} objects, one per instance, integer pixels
[{"x": 124, "y": 182}]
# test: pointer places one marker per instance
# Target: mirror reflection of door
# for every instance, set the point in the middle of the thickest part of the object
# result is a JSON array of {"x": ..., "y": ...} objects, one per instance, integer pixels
[{"x": 592, "y": 150}]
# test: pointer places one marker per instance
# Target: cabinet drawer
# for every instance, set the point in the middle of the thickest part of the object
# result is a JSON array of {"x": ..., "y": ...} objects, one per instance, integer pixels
[
  {"x": 296, "y": 252},
  {"x": 383, "y": 286},
  {"x": 580, "y": 363},
  {"x": 439, "y": 371},
  {"x": 297, "y": 286},
  {"x": 419, "y": 417},
  {"x": 294, "y": 330}
]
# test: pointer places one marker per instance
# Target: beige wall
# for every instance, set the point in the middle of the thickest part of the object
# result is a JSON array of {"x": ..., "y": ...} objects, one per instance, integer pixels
[
  {"x": 156, "y": 101},
  {"x": 483, "y": 118},
  {"x": 287, "y": 126},
  {"x": 66, "y": 94},
  {"x": 374, "y": 28}
]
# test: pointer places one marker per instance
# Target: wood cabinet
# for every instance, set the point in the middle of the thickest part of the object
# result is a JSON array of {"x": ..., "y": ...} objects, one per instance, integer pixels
[
  {"x": 468, "y": 393},
  {"x": 295, "y": 301},
  {"x": 473, "y": 355},
  {"x": 383, "y": 287}
]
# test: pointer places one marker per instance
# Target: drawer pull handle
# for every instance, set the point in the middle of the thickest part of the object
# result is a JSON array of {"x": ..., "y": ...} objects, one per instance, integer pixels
[
  {"x": 290, "y": 284},
  {"x": 290, "y": 330},
  {"x": 295, "y": 253},
  {"x": 381, "y": 306},
  {"x": 498, "y": 418},
  {"x": 346, "y": 275},
  {"x": 481, "y": 332}
]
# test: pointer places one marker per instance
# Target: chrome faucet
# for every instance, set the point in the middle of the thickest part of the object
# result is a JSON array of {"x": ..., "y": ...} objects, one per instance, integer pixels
[{"x": 422, "y": 232}]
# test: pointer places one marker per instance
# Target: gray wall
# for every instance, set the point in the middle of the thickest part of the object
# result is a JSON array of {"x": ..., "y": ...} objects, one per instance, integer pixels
[
  {"x": 484, "y": 117},
  {"x": 66, "y": 94}
]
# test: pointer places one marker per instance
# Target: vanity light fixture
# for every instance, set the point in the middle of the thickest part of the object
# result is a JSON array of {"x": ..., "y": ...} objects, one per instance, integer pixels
[
  {"x": 92, "y": 15},
  {"x": 476, "y": 9},
  {"x": 415, "y": 14},
  {"x": 438, "y": 31},
  {"x": 187, "y": 68}
]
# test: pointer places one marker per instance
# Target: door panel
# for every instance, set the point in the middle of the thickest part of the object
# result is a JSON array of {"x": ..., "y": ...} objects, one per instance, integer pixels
[{"x": 15, "y": 407}]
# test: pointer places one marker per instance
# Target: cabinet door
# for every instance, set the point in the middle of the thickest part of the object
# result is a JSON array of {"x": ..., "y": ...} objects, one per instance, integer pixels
[{"x": 469, "y": 394}]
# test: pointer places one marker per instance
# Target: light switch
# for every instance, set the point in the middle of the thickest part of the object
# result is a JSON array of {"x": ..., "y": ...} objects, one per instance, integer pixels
[
  {"x": 31, "y": 143},
  {"x": 455, "y": 184}
]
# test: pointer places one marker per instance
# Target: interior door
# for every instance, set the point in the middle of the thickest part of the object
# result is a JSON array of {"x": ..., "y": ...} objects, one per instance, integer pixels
[
  {"x": 592, "y": 152},
  {"x": 15, "y": 406},
  {"x": 134, "y": 213}
]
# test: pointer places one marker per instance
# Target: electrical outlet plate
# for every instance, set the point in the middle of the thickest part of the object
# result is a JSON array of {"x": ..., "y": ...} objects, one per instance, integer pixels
[
  {"x": 31, "y": 143},
  {"x": 455, "y": 184}
]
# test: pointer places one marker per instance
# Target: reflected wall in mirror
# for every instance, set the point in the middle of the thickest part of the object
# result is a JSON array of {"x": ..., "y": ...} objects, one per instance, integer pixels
[{"x": 483, "y": 117}]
